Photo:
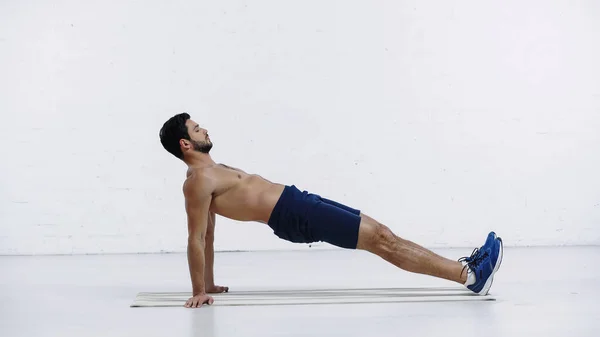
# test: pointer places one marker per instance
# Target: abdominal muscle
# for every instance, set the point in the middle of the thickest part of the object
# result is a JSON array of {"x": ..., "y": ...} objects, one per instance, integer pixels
[{"x": 244, "y": 197}]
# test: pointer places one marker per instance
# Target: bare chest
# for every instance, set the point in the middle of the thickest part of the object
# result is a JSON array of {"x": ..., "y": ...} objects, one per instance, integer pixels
[{"x": 230, "y": 172}]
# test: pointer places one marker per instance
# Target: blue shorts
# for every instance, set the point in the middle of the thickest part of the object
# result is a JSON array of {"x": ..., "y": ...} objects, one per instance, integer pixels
[{"x": 303, "y": 217}]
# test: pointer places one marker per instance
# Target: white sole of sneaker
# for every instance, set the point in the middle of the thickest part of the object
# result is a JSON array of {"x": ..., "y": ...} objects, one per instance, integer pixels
[{"x": 490, "y": 280}]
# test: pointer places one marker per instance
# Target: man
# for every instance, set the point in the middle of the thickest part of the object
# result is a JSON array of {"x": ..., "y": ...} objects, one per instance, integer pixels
[{"x": 296, "y": 216}]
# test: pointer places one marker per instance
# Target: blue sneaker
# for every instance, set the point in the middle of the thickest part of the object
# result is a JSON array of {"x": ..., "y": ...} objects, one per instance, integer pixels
[
  {"x": 496, "y": 254},
  {"x": 490, "y": 240},
  {"x": 483, "y": 263}
]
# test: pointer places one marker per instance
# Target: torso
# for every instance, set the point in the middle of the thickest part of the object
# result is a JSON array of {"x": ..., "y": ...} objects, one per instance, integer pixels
[{"x": 238, "y": 195}]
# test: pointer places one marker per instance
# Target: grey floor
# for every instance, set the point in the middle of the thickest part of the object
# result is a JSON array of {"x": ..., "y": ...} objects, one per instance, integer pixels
[{"x": 539, "y": 291}]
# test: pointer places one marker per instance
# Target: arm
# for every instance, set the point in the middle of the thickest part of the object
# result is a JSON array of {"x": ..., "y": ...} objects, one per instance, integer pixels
[
  {"x": 197, "y": 203},
  {"x": 209, "y": 252}
]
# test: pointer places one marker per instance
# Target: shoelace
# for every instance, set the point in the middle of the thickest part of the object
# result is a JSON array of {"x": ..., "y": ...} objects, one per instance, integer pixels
[{"x": 473, "y": 261}]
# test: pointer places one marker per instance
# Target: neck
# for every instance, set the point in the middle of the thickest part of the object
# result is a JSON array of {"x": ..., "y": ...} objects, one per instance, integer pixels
[{"x": 198, "y": 160}]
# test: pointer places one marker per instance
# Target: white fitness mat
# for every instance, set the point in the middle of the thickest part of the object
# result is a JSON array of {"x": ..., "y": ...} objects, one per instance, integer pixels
[{"x": 316, "y": 296}]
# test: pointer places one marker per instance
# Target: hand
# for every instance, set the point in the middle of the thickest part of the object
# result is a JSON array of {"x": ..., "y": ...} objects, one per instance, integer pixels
[
  {"x": 216, "y": 289},
  {"x": 198, "y": 300}
]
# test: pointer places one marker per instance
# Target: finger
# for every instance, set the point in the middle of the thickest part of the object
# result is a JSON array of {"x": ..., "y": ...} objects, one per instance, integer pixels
[{"x": 211, "y": 300}]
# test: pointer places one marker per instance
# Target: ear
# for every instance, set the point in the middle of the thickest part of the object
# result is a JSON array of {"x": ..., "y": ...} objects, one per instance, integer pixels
[{"x": 185, "y": 143}]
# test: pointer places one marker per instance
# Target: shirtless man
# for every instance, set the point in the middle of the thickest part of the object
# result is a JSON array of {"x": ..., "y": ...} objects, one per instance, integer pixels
[{"x": 296, "y": 216}]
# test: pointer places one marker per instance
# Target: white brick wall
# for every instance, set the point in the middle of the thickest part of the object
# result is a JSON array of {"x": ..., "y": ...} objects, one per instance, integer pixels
[{"x": 443, "y": 120}]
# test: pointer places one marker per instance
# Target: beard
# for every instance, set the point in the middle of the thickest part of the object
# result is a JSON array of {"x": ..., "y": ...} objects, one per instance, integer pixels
[{"x": 203, "y": 147}]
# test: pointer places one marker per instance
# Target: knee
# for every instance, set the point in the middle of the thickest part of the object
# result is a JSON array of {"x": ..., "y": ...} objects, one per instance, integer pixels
[
  {"x": 384, "y": 238},
  {"x": 378, "y": 238}
]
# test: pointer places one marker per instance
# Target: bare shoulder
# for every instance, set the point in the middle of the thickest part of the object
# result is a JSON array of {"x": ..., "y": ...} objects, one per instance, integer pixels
[
  {"x": 197, "y": 190},
  {"x": 198, "y": 185}
]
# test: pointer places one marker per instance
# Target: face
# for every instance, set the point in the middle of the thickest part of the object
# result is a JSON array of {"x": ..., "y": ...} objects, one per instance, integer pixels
[{"x": 200, "y": 141}]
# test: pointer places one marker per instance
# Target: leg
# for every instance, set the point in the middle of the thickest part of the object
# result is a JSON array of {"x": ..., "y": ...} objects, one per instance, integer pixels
[
  {"x": 347, "y": 227},
  {"x": 378, "y": 239}
]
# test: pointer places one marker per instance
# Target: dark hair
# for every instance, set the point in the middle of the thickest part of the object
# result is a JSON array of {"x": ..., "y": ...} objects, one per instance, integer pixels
[{"x": 172, "y": 131}]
